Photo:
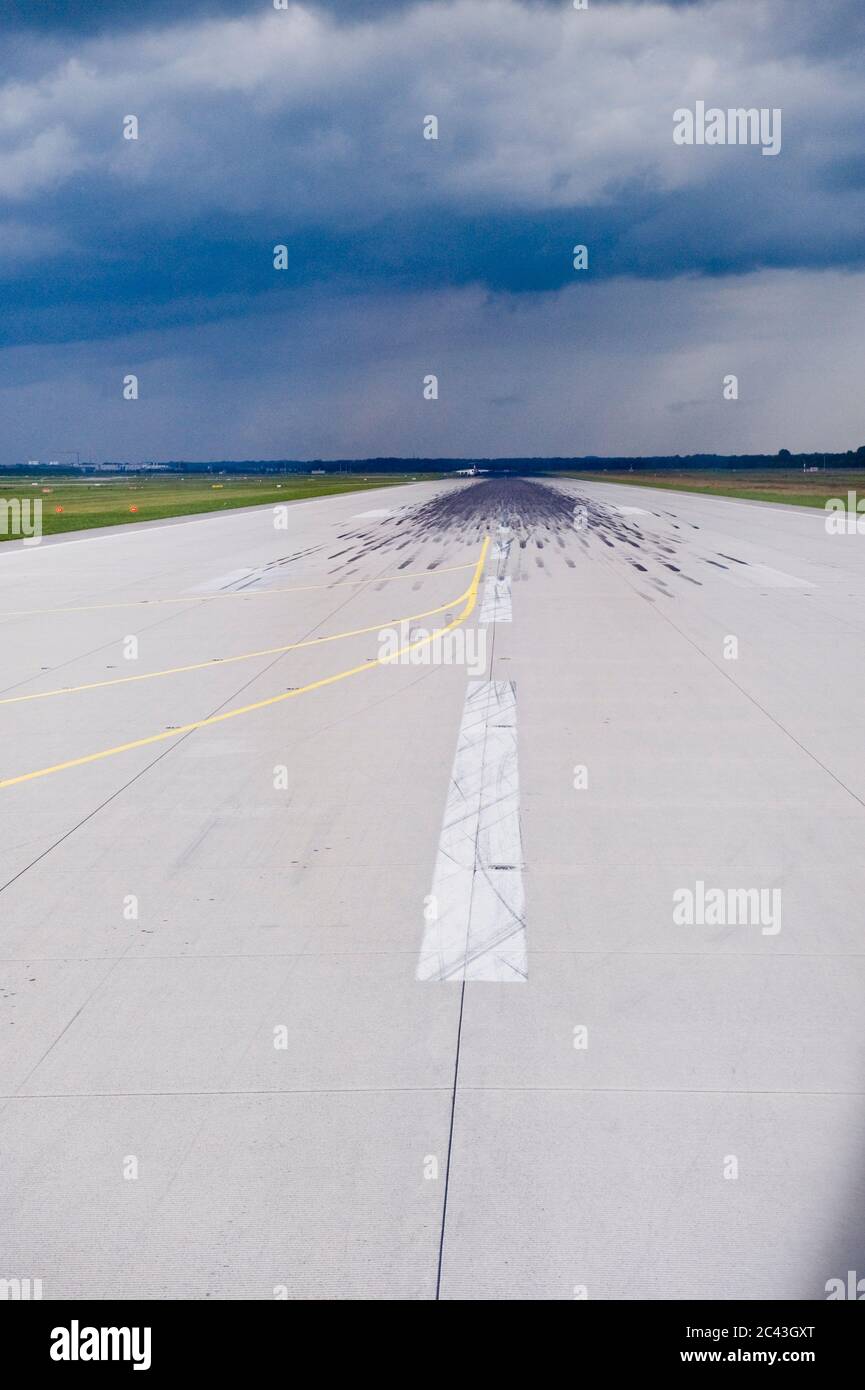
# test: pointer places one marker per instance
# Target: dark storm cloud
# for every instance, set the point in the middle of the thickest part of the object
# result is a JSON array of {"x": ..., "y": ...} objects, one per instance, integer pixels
[
  {"x": 88, "y": 16},
  {"x": 261, "y": 127}
]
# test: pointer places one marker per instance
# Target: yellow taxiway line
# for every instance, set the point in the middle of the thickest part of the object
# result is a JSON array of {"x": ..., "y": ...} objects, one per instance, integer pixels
[
  {"x": 235, "y": 593},
  {"x": 470, "y": 596},
  {"x": 226, "y": 660}
]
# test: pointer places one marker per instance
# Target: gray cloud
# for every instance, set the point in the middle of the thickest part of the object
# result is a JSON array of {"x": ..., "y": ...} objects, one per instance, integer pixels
[
  {"x": 536, "y": 106},
  {"x": 305, "y": 127},
  {"x": 614, "y": 367}
]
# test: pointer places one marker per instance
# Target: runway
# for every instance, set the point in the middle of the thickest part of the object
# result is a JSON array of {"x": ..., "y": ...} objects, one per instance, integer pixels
[{"x": 380, "y": 900}]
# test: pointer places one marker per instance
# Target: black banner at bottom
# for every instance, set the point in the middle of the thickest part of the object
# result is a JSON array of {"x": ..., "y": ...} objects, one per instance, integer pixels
[{"x": 156, "y": 1338}]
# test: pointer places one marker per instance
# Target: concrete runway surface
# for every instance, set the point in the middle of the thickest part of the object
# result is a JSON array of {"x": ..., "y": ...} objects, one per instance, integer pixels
[{"x": 377, "y": 987}]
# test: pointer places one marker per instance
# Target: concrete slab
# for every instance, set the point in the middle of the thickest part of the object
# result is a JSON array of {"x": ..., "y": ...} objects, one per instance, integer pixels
[{"x": 164, "y": 909}]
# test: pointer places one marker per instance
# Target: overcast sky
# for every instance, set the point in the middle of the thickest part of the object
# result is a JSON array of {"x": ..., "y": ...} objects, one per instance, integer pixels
[{"x": 408, "y": 256}]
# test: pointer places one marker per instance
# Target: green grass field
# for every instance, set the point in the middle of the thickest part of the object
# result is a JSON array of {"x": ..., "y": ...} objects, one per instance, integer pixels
[
  {"x": 788, "y": 485},
  {"x": 75, "y": 504}
]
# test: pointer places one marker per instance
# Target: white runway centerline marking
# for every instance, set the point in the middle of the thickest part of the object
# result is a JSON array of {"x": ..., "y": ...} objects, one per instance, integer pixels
[
  {"x": 502, "y": 545},
  {"x": 496, "y": 605},
  {"x": 475, "y": 928}
]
